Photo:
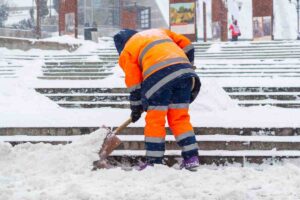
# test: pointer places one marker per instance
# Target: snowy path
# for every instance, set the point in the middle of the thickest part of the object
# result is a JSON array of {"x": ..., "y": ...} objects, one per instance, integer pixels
[{"x": 43, "y": 171}]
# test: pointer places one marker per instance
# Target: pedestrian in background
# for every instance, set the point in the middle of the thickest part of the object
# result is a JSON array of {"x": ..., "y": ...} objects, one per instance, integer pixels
[{"x": 235, "y": 31}]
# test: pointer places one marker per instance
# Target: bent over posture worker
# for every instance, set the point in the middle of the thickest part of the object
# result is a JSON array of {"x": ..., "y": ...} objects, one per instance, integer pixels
[{"x": 160, "y": 77}]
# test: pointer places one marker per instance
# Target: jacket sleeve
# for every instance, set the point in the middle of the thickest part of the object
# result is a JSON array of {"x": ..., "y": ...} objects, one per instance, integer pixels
[
  {"x": 184, "y": 43},
  {"x": 133, "y": 79}
]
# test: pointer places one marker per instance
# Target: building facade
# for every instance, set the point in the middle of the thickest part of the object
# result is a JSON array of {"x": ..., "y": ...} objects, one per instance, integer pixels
[
  {"x": 111, "y": 15},
  {"x": 257, "y": 19}
]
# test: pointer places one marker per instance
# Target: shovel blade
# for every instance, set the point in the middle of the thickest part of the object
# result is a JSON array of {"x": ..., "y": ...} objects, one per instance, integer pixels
[{"x": 109, "y": 144}]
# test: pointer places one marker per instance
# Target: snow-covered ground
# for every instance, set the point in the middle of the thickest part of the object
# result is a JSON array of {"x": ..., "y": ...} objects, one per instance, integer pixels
[{"x": 43, "y": 171}]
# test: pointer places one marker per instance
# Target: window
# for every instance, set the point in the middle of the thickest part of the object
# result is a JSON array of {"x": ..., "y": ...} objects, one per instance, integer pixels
[{"x": 145, "y": 18}]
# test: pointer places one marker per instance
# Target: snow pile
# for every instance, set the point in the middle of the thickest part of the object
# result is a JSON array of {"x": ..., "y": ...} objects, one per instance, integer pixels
[{"x": 44, "y": 171}]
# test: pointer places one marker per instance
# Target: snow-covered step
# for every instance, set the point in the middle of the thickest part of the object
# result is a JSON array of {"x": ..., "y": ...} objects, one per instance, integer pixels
[
  {"x": 290, "y": 105},
  {"x": 233, "y": 89},
  {"x": 265, "y": 97},
  {"x": 83, "y": 68},
  {"x": 248, "y": 63},
  {"x": 75, "y": 63},
  {"x": 72, "y": 70},
  {"x": 90, "y": 90},
  {"x": 86, "y": 74},
  {"x": 87, "y": 94},
  {"x": 243, "y": 56},
  {"x": 132, "y": 130},
  {"x": 90, "y": 104},
  {"x": 249, "y": 71},
  {"x": 88, "y": 99},
  {"x": 141, "y": 138},
  {"x": 71, "y": 77},
  {"x": 283, "y": 97},
  {"x": 205, "y": 142},
  {"x": 247, "y": 54},
  {"x": 221, "y": 138},
  {"x": 217, "y": 153},
  {"x": 48, "y": 139}
]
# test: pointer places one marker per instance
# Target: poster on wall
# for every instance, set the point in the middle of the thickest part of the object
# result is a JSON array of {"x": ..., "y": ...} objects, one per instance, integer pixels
[
  {"x": 70, "y": 23},
  {"x": 182, "y": 18},
  {"x": 262, "y": 28}
]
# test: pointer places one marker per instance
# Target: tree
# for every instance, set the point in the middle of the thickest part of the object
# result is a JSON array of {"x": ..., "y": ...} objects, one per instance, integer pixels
[
  {"x": 3, "y": 14},
  {"x": 44, "y": 11},
  {"x": 56, "y": 5}
]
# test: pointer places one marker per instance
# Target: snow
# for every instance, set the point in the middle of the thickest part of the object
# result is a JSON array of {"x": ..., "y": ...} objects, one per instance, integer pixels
[
  {"x": 286, "y": 20},
  {"x": 22, "y": 106},
  {"x": 44, "y": 171}
]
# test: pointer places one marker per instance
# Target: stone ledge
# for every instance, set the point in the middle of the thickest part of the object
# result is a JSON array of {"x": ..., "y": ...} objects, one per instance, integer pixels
[
  {"x": 27, "y": 44},
  {"x": 64, "y": 131}
]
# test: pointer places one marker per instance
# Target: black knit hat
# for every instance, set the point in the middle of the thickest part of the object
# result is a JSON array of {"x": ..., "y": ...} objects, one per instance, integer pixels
[{"x": 122, "y": 37}]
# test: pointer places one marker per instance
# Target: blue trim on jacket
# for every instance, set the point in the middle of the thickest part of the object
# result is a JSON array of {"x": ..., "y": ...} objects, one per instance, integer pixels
[{"x": 157, "y": 76}]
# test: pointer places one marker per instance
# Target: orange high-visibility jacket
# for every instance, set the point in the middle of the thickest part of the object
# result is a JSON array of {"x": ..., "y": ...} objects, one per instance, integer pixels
[{"x": 149, "y": 56}]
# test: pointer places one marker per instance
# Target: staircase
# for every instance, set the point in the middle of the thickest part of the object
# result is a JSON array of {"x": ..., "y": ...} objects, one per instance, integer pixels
[
  {"x": 75, "y": 69},
  {"x": 252, "y": 74},
  {"x": 9, "y": 70}
]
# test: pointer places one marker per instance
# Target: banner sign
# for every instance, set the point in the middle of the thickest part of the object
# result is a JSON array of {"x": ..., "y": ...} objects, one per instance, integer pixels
[{"x": 182, "y": 18}]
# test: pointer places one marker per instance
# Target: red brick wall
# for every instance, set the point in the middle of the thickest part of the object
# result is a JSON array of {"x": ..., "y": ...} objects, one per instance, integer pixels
[
  {"x": 67, "y": 6},
  {"x": 219, "y": 14},
  {"x": 129, "y": 17},
  {"x": 262, "y": 8}
]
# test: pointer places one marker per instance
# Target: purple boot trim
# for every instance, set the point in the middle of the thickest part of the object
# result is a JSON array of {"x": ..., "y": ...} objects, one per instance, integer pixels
[
  {"x": 191, "y": 163},
  {"x": 144, "y": 165}
]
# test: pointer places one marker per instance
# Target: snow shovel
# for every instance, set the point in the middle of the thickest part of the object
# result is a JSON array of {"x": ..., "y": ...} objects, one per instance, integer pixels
[{"x": 110, "y": 143}]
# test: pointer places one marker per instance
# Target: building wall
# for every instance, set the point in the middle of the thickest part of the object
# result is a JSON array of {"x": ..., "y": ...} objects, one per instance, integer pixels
[
  {"x": 157, "y": 19},
  {"x": 220, "y": 14},
  {"x": 67, "y": 6},
  {"x": 129, "y": 18},
  {"x": 262, "y": 8}
]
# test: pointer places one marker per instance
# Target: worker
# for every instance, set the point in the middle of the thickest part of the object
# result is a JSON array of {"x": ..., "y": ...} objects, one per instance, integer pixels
[{"x": 159, "y": 74}]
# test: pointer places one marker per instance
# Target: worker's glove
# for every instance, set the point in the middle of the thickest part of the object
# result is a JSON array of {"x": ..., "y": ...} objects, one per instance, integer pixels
[{"x": 136, "y": 112}]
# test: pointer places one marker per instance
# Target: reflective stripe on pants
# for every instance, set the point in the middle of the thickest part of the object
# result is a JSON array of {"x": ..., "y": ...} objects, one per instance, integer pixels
[{"x": 172, "y": 103}]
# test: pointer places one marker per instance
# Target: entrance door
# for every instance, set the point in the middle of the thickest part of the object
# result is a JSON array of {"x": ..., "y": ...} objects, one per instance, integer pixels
[{"x": 262, "y": 28}]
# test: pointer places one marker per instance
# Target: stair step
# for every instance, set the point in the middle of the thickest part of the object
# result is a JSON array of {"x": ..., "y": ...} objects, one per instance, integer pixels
[
  {"x": 89, "y": 99},
  {"x": 62, "y": 131},
  {"x": 80, "y": 90},
  {"x": 71, "y": 78},
  {"x": 261, "y": 89},
  {"x": 62, "y": 70},
  {"x": 217, "y": 153},
  {"x": 265, "y": 97},
  {"x": 94, "y": 105},
  {"x": 282, "y": 105}
]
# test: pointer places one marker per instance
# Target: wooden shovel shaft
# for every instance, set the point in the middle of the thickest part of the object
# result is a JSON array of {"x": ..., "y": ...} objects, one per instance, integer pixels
[{"x": 123, "y": 126}]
